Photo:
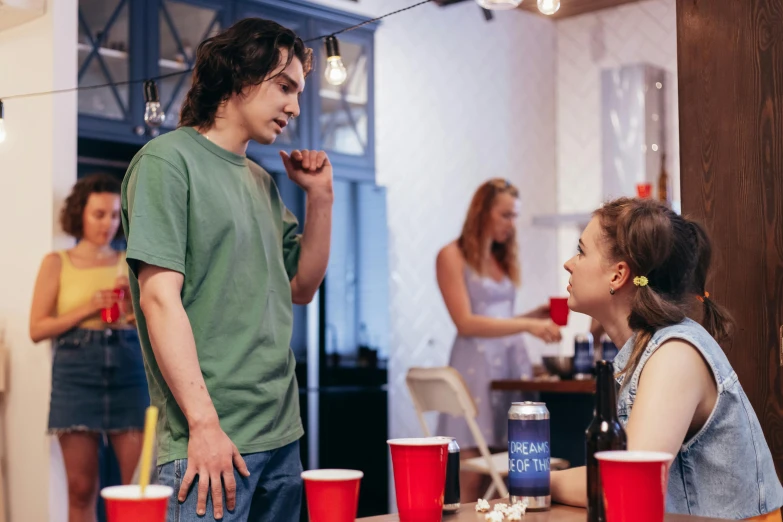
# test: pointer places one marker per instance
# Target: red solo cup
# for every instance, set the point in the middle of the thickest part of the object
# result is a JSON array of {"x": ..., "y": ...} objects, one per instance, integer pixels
[
  {"x": 644, "y": 190},
  {"x": 558, "y": 310},
  {"x": 419, "y": 477},
  {"x": 634, "y": 484},
  {"x": 125, "y": 503},
  {"x": 112, "y": 313},
  {"x": 332, "y": 494}
]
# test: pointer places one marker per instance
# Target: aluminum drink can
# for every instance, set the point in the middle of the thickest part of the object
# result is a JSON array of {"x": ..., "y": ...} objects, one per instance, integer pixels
[
  {"x": 451, "y": 492},
  {"x": 608, "y": 349},
  {"x": 529, "y": 454},
  {"x": 584, "y": 359}
]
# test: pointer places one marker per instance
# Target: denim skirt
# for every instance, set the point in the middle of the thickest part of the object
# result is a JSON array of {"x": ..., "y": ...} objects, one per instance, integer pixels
[{"x": 98, "y": 382}]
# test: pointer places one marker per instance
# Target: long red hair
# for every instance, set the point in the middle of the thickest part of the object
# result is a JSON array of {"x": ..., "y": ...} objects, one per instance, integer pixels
[{"x": 476, "y": 234}]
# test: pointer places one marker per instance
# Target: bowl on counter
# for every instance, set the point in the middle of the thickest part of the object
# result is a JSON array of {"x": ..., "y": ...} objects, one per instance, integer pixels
[{"x": 559, "y": 365}]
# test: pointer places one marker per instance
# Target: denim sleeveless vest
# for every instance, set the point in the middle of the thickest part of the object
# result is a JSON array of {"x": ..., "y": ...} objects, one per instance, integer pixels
[{"x": 726, "y": 469}]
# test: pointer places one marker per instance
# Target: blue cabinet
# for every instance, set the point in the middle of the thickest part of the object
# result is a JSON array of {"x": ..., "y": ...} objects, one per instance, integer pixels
[
  {"x": 107, "y": 52},
  {"x": 122, "y": 40},
  {"x": 181, "y": 26}
]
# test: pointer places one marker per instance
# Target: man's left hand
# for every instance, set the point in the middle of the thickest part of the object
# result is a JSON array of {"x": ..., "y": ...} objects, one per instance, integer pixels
[{"x": 310, "y": 169}]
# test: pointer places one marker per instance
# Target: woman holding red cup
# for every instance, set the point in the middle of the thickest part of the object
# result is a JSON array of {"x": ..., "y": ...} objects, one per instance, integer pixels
[
  {"x": 695, "y": 444},
  {"x": 81, "y": 303},
  {"x": 479, "y": 277}
]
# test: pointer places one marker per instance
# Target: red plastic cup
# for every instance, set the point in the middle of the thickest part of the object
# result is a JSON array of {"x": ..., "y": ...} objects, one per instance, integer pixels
[
  {"x": 332, "y": 494},
  {"x": 634, "y": 484},
  {"x": 558, "y": 310},
  {"x": 112, "y": 313},
  {"x": 419, "y": 477},
  {"x": 644, "y": 190},
  {"x": 125, "y": 503}
]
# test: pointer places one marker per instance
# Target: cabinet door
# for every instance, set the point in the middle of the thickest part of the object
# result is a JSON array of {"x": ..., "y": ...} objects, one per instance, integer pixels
[
  {"x": 296, "y": 134},
  {"x": 182, "y": 26},
  {"x": 344, "y": 124},
  {"x": 106, "y": 55}
]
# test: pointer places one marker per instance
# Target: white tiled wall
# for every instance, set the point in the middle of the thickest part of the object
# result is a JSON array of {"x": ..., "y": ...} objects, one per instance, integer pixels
[
  {"x": 633, "y": 33},
  {"x": 458, "y": 100}
]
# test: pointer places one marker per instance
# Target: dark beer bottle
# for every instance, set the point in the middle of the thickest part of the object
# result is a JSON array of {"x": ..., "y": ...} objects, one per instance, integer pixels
[{"x": 605, "y": 433}]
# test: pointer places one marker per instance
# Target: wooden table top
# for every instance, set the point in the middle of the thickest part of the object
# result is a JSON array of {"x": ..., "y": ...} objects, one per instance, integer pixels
[
  {"x": 467, "y": 513},
  {"x": 569, "y": 386}
]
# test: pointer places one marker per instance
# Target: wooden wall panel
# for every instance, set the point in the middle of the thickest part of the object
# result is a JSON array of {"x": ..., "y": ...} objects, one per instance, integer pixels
[{"x": 730, "y": 61}]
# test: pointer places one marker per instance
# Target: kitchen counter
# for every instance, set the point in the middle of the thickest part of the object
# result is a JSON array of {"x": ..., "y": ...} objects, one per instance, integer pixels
[{"x": 586, "y": 386}]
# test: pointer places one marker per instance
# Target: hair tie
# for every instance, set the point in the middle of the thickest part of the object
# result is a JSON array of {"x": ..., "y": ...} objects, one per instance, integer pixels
[
  {"x": 640, "y": 281},
  {"x": 702, "y": 298}
]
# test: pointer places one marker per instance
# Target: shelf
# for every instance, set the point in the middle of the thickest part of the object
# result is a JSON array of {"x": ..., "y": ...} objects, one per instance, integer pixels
[
  {"x": 103, "y": 51},
  {"x": 171, "y": 65},
  {"x": 350, "y": 98},
  {"x": 560, "y": 220},
  {"x": 569, "y": 386},
  {"x": 579, "y": 219}
]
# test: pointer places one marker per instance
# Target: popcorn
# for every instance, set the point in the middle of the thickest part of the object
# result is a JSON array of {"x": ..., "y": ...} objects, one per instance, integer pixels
[
  {"x": 482, "y": 506},
  {"x": 514, "y": 515},
  {"x": 502, "y": 512}
]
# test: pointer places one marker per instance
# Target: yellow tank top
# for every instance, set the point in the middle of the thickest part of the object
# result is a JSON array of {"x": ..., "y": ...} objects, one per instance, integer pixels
[{"x": 78, "y": 285}]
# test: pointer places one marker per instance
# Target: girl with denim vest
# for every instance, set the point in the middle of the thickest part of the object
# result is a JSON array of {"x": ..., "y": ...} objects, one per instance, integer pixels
[{"x": 639, "y": 271}]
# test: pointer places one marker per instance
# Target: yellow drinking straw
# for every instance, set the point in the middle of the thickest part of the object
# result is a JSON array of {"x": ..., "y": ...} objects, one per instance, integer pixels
[{"x": 146, "y": 450}]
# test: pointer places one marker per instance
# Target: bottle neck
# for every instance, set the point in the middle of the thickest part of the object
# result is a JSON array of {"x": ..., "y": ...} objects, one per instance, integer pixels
[{"x": 605, "y": 392}]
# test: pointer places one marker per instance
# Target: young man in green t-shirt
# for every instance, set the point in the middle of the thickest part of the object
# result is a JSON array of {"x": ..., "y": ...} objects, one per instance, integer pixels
[{"x": 216, "y": 264}]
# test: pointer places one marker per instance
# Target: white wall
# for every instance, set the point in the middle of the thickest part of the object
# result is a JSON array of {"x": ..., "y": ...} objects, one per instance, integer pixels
[
  {"x": 633, "y": 33},
  {"x": 458, "y": 100},
  {"x": 37, "y": 168}
]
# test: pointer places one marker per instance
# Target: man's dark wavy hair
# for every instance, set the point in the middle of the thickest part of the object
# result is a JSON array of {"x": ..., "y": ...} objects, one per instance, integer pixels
[{"x": 242, "y": 56}]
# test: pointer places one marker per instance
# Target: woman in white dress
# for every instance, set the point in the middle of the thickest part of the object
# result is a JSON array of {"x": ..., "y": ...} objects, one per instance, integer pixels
[{"x": 478, "y": 276}]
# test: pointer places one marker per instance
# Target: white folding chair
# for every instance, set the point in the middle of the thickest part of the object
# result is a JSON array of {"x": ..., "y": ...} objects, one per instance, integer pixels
[{"x": 443, "y": 390}]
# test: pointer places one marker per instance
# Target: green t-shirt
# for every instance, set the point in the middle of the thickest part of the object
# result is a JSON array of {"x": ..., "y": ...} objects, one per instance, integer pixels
[{"x": 191, "y": 206}]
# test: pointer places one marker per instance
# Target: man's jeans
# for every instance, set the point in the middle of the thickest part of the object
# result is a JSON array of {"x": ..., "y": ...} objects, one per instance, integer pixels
[{"x": 272, "y": 492}]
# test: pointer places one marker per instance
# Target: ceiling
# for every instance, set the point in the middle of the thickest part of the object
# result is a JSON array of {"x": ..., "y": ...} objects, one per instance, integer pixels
[{"x": 575, "y": 7}]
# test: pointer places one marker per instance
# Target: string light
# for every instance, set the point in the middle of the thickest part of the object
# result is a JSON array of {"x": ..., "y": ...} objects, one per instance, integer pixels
[
  {"x": 153, "y": 112},
  {"x": 335, "y": 72},
  {"x": 154, "y": 115},
  {"x": 548, "y": 7},
  {"x": 2, "y": 123}
]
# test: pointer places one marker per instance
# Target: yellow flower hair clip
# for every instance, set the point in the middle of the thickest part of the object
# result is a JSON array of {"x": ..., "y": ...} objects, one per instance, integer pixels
[{"x": 640, "y": 281}]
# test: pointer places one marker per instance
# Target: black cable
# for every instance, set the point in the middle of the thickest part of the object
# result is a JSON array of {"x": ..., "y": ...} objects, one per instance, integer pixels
[
  {"x": 89, "y": 87},
  {"x": 351, "y": 28}
]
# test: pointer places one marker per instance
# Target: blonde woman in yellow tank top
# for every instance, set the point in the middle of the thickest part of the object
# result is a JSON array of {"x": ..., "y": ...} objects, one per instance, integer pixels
[{"x": 98, "y": 383}]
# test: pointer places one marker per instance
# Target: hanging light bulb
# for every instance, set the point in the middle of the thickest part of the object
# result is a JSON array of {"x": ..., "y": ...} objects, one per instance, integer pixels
[
  {"x": 499, "y": 5},
  {"x": 548, "y": 7},
  {"x": 2, "y": 123},
  {"x": 153, "y": 113},
  {"x": 335, "y": 72}
]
